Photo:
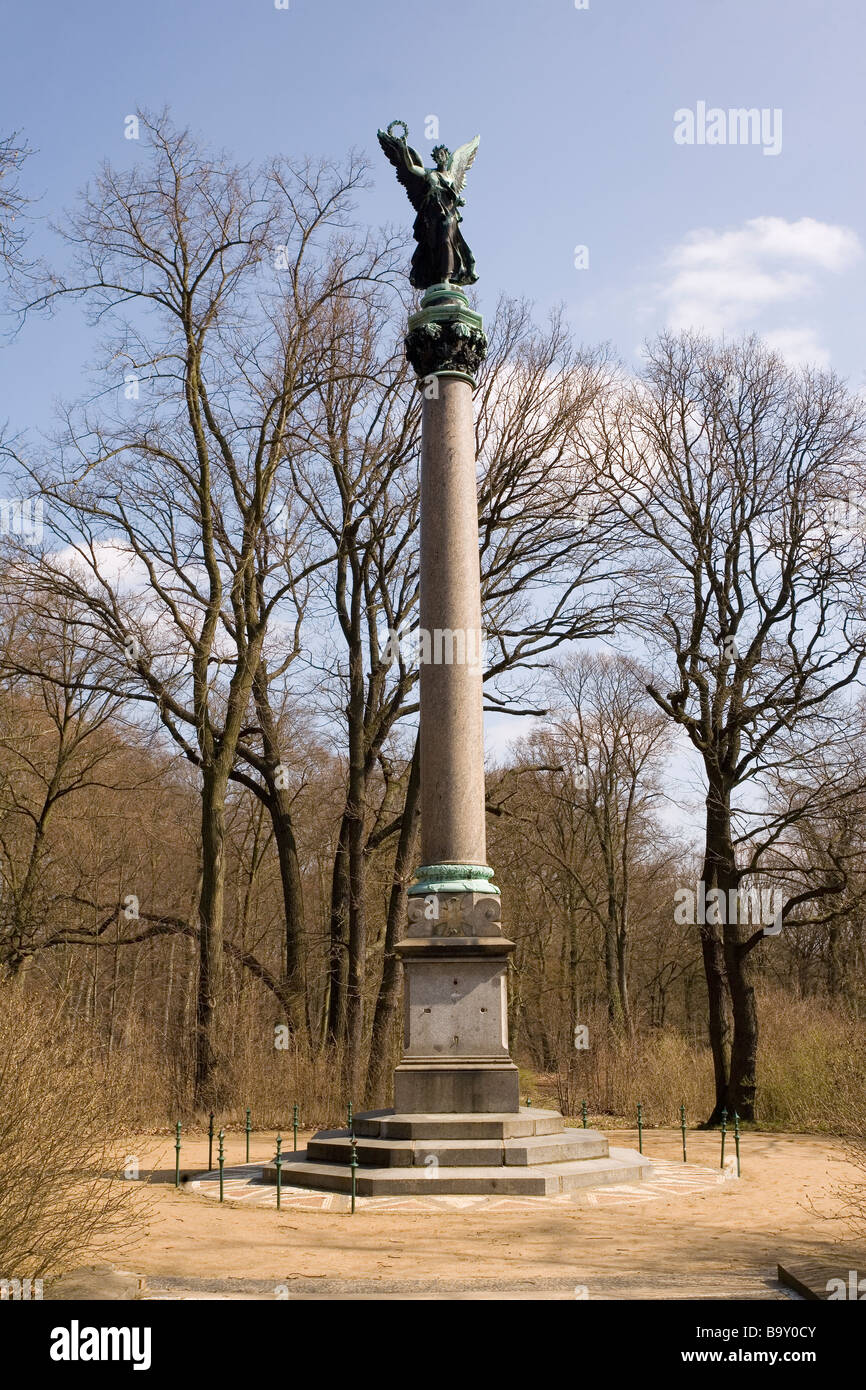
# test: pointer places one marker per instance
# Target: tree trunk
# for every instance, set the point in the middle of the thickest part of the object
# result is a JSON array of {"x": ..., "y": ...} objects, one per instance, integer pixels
[
  {"x": 742, "y": 1082},
  {"x": 207, "y": 1080},
  {"x": 337, "y": 957},
  {"x": 388, "y": 1001},
  {"x": 615, "y": 1015},
  {"x": 280, "y": 809},
  {"x": 356, "y": 857},
  {"x": 719, "y": 872},
  {"x": 622, "y": 976}
]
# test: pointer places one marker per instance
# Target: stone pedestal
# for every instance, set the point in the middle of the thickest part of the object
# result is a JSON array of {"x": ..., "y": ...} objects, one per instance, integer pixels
[{"x": 455, "y": 1010}]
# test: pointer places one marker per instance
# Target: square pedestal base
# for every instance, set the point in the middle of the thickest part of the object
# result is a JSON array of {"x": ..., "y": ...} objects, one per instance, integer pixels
[{"x": 424, "y": 1087}]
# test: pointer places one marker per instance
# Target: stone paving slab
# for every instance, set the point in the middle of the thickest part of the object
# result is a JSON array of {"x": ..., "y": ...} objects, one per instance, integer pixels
[{"x": 703, "y": 1285}]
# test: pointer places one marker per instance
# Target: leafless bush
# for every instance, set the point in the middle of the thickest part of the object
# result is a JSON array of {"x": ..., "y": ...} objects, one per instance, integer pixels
[{"x": 61, "y": 1195}]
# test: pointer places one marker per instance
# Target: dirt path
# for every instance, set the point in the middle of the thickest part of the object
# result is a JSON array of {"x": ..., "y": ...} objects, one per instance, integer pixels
[{"x": 724, "y": 1242}]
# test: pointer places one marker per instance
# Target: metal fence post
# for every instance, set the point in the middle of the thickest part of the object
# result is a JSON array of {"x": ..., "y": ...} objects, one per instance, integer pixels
[
  {"x": 354, "y": 1167},
  {"x": 279, "y": 1162},
  {"x": 177, "y": 1157},
  {"x": 724, "y": 1132},
  {"x": 222, "y": 1135},
  {"x": 683, "y": 1124}
]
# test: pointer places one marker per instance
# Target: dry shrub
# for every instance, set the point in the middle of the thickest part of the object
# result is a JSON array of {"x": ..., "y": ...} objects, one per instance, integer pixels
[
  {"x": 812, "y": 1065},
  {"x": 660, "y": 1069},
  {"x": 60, "y": 1194},
  {"x": 811, "y": 1069},
  {"x": 270, "y": 1081},
  {"x": 146, "y": 1090}
]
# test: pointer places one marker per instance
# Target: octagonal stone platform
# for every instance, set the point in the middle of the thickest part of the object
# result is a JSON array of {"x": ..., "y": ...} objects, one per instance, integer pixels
[{"x": 528, "y": 1152}]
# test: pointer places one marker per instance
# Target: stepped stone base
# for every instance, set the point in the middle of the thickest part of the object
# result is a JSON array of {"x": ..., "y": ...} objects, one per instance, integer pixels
[{"x": 528, "y": 1152}]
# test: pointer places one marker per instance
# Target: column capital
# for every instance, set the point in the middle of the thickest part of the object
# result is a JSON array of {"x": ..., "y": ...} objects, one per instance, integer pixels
[{"x": 446, "y": 337}]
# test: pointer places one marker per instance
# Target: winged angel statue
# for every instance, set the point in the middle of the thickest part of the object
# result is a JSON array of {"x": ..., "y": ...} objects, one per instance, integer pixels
[{"x": 441, "y": 254}]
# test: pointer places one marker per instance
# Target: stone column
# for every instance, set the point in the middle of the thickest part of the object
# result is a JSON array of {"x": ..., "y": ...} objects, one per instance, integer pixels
[
  {"x": 452, "y": 733},
  {"x": 455, "y": 1057}
]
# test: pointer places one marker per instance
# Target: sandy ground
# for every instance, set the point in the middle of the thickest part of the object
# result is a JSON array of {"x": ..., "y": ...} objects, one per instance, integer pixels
[{"x": 723, "y": 1243}]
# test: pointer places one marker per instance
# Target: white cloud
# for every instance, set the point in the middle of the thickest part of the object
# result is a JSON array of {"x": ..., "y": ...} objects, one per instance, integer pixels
[
  {"x": 799, "y": 346},
  {"x": 740, "y": 280}
]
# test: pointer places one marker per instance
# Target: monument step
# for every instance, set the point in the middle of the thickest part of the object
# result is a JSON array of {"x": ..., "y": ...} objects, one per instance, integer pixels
[
  {"x": 621, "y": 1166},
  {"x": 534, "y": 1149},
  {"x": 519, "y": 1124}
]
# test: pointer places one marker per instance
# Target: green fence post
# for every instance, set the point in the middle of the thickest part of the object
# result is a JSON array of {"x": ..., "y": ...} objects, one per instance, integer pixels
[
  {"x": 248, "y": 1134},
  {"x": 221, "y": 1137},
  {"x": 349, "y": 1118},
  {"x": 177, "y": 1157},
  {"x": 279, "y": 1162},
  {"x": 737, "y": 1139},
  {"x": 724, "y": 1132},
  {"x": 683, "y": 1124},
  {"x": 295, "y": 1124},
  {"x": 640, "y": 1127},
  {"x": 354, "y": 1167},
  {"x": 210, "y": 1144},
  {"x": 529, "y": 1101},
  {"x": 583, "y": 1109}
]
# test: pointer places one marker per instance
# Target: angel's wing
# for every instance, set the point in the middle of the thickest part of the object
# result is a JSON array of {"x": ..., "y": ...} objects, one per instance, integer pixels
[
  {"x": 461, "y": 163},
  {"x": 403, "y": 157}
]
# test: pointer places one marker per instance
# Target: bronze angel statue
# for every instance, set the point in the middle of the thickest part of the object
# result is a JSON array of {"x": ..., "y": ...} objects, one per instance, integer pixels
[{"x": 441, "y": 254}]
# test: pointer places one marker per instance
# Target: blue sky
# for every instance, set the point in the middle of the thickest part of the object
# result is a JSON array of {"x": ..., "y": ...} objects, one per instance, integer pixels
[
  {"x": 576, "y": 113},
  {"x": 575, "y": 108}
]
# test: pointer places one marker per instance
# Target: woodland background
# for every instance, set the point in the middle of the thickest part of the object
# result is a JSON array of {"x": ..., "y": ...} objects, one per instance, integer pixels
[{"x": 208, "y": 760}]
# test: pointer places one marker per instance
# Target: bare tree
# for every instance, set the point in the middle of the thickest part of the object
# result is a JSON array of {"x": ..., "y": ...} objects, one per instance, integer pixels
[
  {"x": 181, "y": 540},
  {"x": 14, "y": 202},
  {"x": 606, "y": 744},
  {"x": 733, "y": 473}
]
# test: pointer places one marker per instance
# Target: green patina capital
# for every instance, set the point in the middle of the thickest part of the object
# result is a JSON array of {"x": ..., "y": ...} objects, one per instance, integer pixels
[
  {"x": 453, "y": 878},
  {"x": 446, "y": 337}
]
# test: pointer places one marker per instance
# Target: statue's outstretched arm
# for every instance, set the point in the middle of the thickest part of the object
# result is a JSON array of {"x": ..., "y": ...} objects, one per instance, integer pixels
[{"x": 412, "y": 158}]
